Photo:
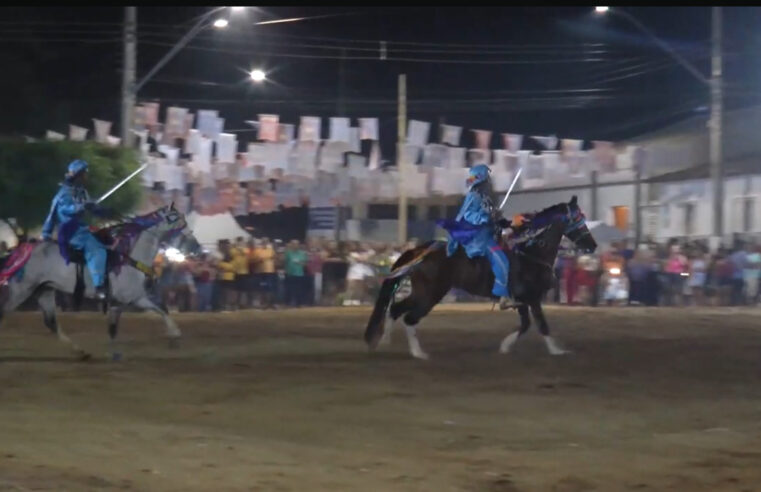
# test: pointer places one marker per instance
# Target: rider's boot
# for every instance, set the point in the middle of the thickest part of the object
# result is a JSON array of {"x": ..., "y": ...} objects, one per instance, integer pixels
[{"x": 100, "y": 293}]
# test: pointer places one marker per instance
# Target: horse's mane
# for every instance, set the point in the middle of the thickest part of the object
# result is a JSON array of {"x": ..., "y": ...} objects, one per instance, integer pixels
[{"x": 542, "y": 218}]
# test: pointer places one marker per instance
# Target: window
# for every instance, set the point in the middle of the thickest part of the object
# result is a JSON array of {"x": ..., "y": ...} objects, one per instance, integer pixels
[
  {"x": 689, "y": 219},
  {"x": 743, "y": 214},
  {"x": 621, "y": 218}
]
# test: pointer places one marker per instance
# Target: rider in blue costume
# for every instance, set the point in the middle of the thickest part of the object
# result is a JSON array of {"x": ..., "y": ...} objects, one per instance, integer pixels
[
  {"x": 478, "y": 210},
  {"x": 66, "y": 210}
]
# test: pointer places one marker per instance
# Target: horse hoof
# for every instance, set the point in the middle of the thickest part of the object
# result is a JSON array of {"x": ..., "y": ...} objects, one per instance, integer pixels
[
  {"x": 560, "y": 352},
  {"x": 174, "y": 343},
  {"x": 421, "y": 356}
]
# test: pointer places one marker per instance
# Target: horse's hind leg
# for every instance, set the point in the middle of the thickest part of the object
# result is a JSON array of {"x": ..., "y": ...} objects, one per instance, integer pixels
[
  {"x": 396, "y": 310},
  {"x": 46, "y": 301},
  {"x": 172, "y": 332},
  {"x": 421, "y": 306},
  {"x": 510, "y": 339},
  {"x": 552, "y": 346}
]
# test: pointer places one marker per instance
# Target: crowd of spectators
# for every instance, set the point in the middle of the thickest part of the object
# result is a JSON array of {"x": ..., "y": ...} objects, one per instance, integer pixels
[{"x": 266, "y": 274}]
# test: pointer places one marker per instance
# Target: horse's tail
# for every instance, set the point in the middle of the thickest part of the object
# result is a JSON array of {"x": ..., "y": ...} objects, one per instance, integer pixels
[{"x": 374, "y": 329}]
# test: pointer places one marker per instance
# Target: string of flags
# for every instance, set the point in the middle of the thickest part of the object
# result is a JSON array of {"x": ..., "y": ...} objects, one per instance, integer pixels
[{"x": 191, "y": 158}]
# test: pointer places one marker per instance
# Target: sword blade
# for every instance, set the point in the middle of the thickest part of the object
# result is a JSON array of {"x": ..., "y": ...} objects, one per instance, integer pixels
[
  {"x": 509, "y": 190},
  {"x": 121, "y": 183}
]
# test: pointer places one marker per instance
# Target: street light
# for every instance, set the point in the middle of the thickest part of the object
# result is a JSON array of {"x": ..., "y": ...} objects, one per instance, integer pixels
[
  {"x": 601, "y": 10},
  {"x": 221, "y": 23},
  {"x": 237, "y": 9},
  {"x": 258, "y": 75}
]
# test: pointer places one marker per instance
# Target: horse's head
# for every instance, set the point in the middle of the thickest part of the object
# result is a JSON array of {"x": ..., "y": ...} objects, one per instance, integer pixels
[
  {"x": 173, "y": 230},
  {"x": 576, "y": 228}
]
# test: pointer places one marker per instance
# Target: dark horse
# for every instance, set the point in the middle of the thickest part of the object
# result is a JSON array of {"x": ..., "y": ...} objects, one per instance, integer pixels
[{"x": 532, "y": 259}]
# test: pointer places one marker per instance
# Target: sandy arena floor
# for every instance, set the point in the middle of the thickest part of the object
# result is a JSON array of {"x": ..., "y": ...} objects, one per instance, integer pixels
[{"x": 665, "y": 399}]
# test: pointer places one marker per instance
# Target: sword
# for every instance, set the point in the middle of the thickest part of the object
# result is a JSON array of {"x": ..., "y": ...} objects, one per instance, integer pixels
[
  {"x": 509, "y": 190},
  {"x": 121, "y": 183}
]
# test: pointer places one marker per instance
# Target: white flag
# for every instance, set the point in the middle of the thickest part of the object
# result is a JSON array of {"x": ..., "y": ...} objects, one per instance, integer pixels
[
  {"x": 286, "y": 133},
  {"x": 227, "y": 147},
  {"x": 206, "y": 122},
  {"x": 450, "y": 134},
  {"x": 175, "y": 123},
  {"x": 483, "y": 139},
  {"x": 54, "y": 136},
  {"x": 339, "y": 129},
  {"x": 151, "y": 113},
  {"x": 549, "y": 143},
  {"x": 513, "y": 141},
  {"x": 77, "y": 133},
  {"x": 374, "y": 160},
  {"x": 113, "y": 141},
  {"x": 368, "y": 128},
  {"x": 309, "y": 130},
  {"x": 102, "y": 130},
  {"x": 417, "y": 133},
  {"x": 269, "y": 127}
]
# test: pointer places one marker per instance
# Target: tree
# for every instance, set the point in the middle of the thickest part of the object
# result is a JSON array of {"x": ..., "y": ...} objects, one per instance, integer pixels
[{"x": 31, "y": 172}]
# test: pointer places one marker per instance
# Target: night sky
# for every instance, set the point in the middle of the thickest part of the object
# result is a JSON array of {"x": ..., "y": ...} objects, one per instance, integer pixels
[{"x": 550, "y": 70}]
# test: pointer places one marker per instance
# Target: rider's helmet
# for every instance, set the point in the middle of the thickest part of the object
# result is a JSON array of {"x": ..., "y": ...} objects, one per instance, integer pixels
[
  {"x": 75, "y": 168},
  {"x": 478, "y": 174}
]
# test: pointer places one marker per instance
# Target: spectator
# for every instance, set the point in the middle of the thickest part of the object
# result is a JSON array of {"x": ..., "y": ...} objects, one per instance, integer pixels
[
  {"x": 295, "y": 262},
  {"x": 676, "y": 265},
  {"x": 637, "y": 270},
  {"x": 751, "y": 274},
  {"x": 239, "y": 255},
  {"x": 738, "y": 260},
  {"x": 204, "y": 274},
  {"x": 316, "y": 259},
  {"x": 264, "y": 266},
  {"x": 697, "y": 279},
  {"x": 226, "y": 277}
]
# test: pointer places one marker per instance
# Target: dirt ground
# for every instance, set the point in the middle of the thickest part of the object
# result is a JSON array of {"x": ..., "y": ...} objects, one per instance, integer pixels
[{"x": 651, "y": 399}]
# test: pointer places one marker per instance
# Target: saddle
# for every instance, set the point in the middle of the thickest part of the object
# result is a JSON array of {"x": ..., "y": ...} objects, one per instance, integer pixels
[{"x": 77, "y": 257}]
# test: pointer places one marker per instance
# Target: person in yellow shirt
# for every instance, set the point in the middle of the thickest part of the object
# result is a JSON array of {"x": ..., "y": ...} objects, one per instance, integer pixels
[
  {"x": 226, "y": 276},
  {"x": 240, "y": 266},
  {"x": 263, "y": 262}
]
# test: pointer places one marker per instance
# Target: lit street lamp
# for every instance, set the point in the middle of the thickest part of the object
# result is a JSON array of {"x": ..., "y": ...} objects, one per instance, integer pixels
[
  {"x": 221, "y": 23},
  {"x": 257, "y": 75},
  {"x": 601, "y": 10}
]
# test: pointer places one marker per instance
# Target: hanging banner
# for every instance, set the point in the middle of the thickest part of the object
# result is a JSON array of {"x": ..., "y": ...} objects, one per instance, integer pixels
[
  {"x": 549, "y": 143},
  {"x": 286, "y": 133},
  {"x": 355, "y": 143},
  {"x": 373, "y": 161},
  {"x": 417, "y": 133},
  {"x": 571, "y": 157},
  {"x": 451, "y": 135},
  {"x": 513, "y": 141},
  {"x": 54, "y": 136},
  {"x": 227, "y": 147},
  {"x": 175, "y": 123},
  {"x": 482, "y": 139},
  {"x": 77, "y": 133},
  {"x": 368, "y": 128},
  {"x": 140, "y": 121},
  {"x": 151, "y": 113},
  {"x": 206, "y": 122},
  {"x": 189, "y": 118},
  {"x": 269, "y": 127},
  {"x": 604, "y": 156},
  {"x": 310, "y": 129},
  {"x": 113, "y": 141},
  {"x": 479, "y": 156},
  {"x": 339, "y": 130},
  {"x": 435, "y": 155},
  {"x": 102, "y": 130},
  {"x": 193, "y": 142}
]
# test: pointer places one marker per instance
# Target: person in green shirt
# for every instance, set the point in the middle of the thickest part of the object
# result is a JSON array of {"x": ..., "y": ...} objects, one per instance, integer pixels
[{"x": 295, "y": 262}]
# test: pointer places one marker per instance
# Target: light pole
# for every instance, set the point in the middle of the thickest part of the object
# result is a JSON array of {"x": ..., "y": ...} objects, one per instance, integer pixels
[
  {"x": 130, "y": 88},
  {"x": 715, "y": 122}
]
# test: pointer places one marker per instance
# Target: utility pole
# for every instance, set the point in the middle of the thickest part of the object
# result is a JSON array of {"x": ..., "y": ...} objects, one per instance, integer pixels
[
  {"x": 715, "y": 128},
  {"x": 129, "y": 69},
  {"x": 400, "y": 161}
]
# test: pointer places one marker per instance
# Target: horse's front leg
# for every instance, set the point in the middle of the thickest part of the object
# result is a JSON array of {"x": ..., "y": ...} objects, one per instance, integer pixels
[
  {"x": 172, "y": 332},
  {"x": 552, "y": 346},
  {"x": 114, "y": 313},
  {"x": 510, "y": 339}
]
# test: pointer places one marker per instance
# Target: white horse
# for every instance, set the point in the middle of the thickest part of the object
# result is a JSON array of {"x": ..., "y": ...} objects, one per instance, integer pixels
[{"x": 136, "y": 243}]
